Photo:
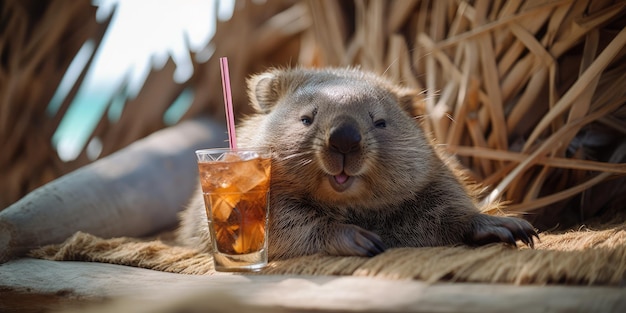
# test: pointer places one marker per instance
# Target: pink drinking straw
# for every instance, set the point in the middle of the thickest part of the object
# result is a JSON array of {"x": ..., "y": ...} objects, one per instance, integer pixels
[{"x": 228, "y": 103}]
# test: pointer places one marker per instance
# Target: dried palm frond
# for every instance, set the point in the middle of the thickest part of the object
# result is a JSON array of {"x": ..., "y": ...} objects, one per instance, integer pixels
[{"x": 37, "y": 44}]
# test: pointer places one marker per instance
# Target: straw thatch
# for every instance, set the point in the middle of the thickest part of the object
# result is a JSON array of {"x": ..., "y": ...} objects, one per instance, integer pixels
[{"x": 528, "y": 94}]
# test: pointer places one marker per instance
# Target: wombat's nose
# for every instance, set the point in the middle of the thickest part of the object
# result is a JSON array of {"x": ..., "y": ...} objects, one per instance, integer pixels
[{"x": 345, "y": 138}]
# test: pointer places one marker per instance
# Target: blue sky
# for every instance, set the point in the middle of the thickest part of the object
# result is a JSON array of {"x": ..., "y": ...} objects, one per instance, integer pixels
[{"x": 142, "y": 34}]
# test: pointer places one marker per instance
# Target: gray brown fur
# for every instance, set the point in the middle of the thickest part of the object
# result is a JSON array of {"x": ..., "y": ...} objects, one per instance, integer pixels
[{"x": 325, "y": 123}]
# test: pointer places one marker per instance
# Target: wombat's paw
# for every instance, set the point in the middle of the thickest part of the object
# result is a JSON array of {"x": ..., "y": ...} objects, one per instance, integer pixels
[
  {"x": 351, "y": 240},
  {"x": 489, "y": 229}
]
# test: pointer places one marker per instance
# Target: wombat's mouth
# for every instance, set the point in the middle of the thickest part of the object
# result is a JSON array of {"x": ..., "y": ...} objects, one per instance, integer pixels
[{"x": 340, "y": 182}]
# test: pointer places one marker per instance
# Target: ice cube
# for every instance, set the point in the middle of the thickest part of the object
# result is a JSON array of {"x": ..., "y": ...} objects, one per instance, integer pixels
[
  {"x": 248, "y": 174},
  {"x": 250, "y": 239},
  {"x": 225, "y": 236},
  {"x": 223, "y": 204},
  {"x": 214, "y": 176}
]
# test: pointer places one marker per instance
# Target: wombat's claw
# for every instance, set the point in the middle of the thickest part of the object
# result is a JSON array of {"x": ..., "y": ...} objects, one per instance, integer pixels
[
  {"x": 507, "y": 230},
  {"x": 524, "y": 231},
  {"x": 373, "y": 245},
  {"x": 352, "y": 240}
]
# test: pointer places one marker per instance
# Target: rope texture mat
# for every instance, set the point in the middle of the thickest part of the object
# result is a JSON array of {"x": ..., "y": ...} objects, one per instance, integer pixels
[{"x": 581, "y": 257}]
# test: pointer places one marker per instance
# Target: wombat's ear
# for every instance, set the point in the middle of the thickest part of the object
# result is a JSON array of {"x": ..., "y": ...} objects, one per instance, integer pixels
[
  {"x": 411, "y": 101},
  {"x": 264, "y": 91}
]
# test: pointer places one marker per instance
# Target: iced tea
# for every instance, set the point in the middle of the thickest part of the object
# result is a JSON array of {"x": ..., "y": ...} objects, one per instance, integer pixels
[{"x": 236, "y": 190}]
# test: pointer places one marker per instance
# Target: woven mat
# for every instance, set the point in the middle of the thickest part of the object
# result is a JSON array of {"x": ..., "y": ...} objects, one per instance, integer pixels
[{"x": 581, "y": 257}]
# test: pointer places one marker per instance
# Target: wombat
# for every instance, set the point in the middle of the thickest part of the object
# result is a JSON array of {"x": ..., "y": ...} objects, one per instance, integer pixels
[{"x": 353, "y": 173}]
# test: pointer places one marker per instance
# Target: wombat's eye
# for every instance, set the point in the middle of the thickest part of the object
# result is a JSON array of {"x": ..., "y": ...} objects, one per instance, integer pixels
[
  {"x": 306, "y": 120},
  {"x": 380, "y": 124}
]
